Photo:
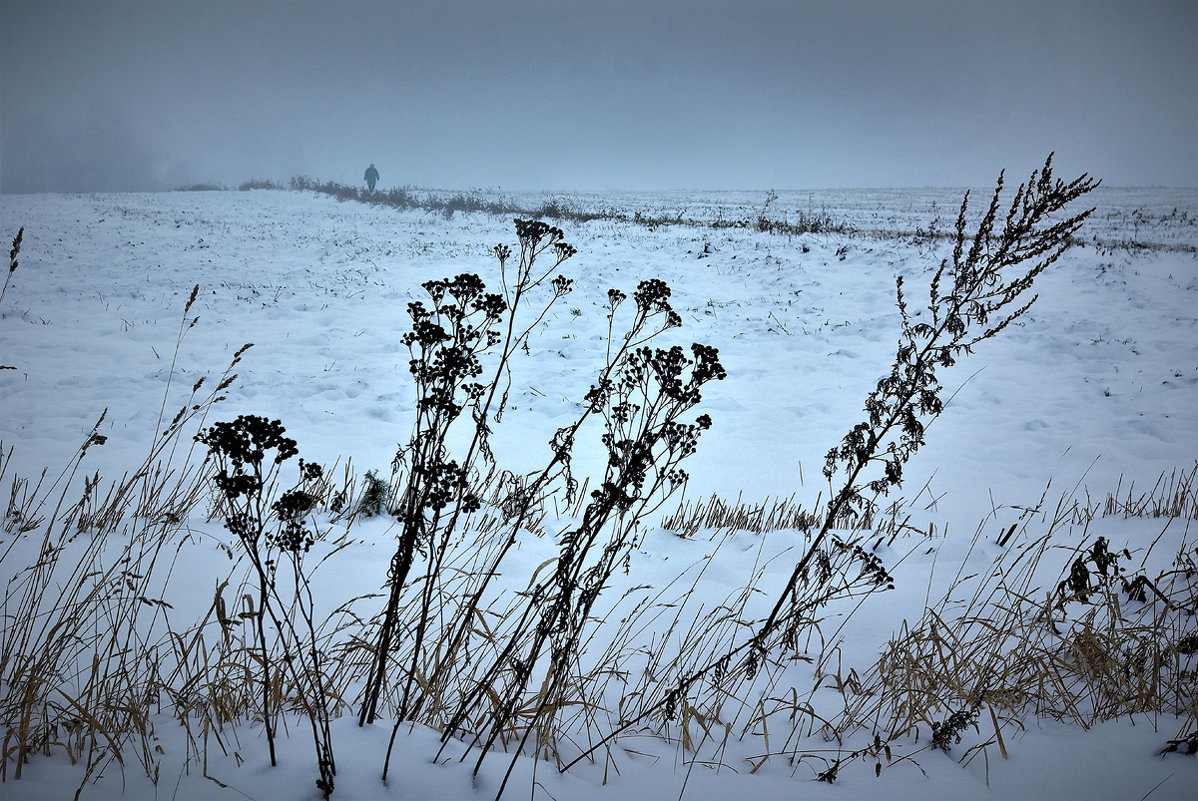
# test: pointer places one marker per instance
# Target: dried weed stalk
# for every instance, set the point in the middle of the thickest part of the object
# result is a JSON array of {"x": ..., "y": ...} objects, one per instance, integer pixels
[{"x": 972, "y": 298}]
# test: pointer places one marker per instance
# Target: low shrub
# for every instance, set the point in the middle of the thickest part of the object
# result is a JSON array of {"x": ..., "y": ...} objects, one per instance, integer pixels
[
  {"x": 258, "y": 183},
  {"x": 201, "y": 188}
]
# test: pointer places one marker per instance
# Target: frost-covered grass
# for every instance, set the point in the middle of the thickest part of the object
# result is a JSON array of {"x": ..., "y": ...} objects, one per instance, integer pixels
[{"x": 1033, "y": 460}]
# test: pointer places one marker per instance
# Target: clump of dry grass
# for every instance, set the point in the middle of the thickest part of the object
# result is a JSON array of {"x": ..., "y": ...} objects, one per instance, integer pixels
[
  {"x": 88, "y": 650},
  {"x": 759, "y": 518},
  {"x": 1174, "y": 494},
  {"x": 85, "y": 622},
  {"x": 1106, "y": 639},
  {"x": 717, "y": 514}
]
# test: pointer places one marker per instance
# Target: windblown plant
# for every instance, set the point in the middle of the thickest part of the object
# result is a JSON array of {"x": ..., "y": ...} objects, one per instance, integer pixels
[{"x": 972, "y": 298}]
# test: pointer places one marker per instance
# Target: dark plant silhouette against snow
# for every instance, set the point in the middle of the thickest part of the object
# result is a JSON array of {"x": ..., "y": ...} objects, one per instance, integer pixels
[
  {"x": 447, "y": 341},
  {"x": 640, "y": 393},
  {"x": 248, "y": 453},
  {"x": 13, "y": 262},
  {"x": 972, "y": 298},
  {"x": 641, "y": 396}
]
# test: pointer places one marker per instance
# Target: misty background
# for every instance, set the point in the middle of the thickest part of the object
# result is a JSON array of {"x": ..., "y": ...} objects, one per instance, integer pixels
[{"x": 128, "y": 95}]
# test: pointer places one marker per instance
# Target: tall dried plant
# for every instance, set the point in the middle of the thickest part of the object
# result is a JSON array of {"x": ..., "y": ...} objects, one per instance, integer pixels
[{"x": 973, "y": 296}]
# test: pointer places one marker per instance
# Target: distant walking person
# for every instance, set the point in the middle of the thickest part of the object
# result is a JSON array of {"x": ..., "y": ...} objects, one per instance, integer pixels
[{"x": 371, "y": 177}]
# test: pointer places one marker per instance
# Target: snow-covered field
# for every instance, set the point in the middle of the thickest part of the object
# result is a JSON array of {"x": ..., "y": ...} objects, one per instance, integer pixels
[{"x": 1094, "y": 389}]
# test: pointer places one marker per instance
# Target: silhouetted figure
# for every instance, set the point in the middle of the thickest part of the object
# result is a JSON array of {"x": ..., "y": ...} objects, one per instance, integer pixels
[{"x": 371, "y": 177}]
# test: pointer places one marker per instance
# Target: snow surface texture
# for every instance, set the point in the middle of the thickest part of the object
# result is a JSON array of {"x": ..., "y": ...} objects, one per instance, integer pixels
[{"x": 1097, "y": 384}]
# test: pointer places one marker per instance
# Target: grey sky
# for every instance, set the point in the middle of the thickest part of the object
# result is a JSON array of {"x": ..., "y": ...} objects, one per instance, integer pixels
[{"x": 606, "y": 94}]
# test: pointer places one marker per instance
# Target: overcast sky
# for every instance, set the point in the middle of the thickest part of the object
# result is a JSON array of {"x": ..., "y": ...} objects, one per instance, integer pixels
[{"x": 117, "y": 95}]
